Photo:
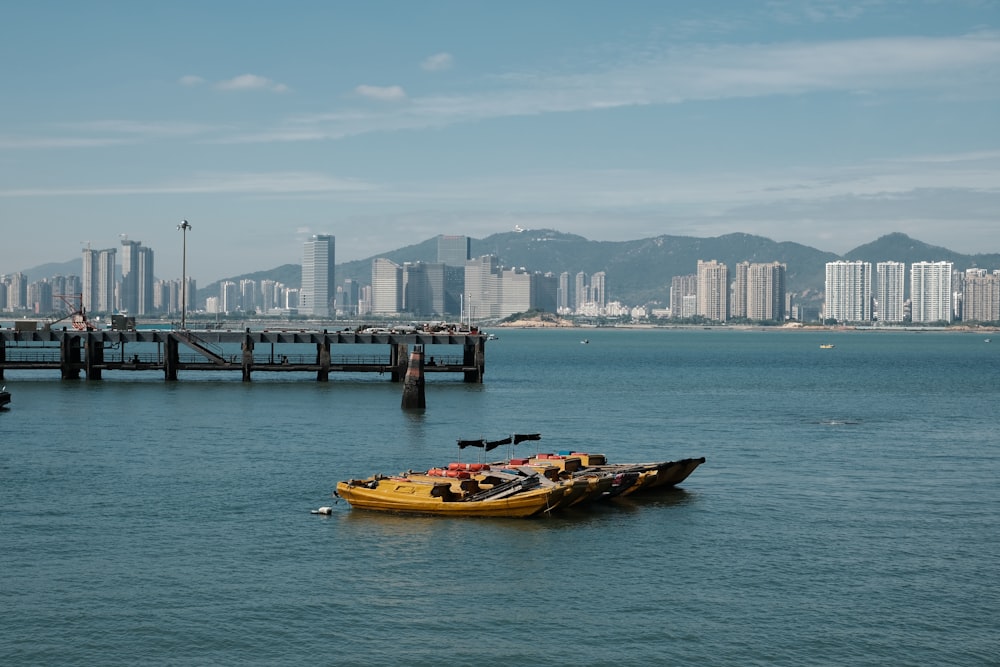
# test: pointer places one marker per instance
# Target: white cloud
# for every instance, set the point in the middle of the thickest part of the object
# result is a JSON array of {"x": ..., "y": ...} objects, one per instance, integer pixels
[
  {"x": 24, "y": 143},
  {"x": 191, "y": 80},
  {"x": 251, "y": 82},
  {"x": 100, "y": 133},
  {"x": 940, "y": 66},
  {"x": 437, "y": 62},
  {"x": 258, "y": 183},
  {"x": 381, "y": 93}
]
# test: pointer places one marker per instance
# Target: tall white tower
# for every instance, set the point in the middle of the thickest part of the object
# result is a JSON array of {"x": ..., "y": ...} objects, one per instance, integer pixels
[
  {"x": 930, "y": 291},
  {"x": 848, "y": 291},
  {"x": 890, "y": 290},
  {"x": 319, "y": 288}
]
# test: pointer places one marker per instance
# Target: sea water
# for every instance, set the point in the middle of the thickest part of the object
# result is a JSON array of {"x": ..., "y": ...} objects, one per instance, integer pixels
[{"x": 848, "y": 511}]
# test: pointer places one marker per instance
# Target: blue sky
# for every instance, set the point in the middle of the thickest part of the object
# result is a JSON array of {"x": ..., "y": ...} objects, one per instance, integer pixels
[{"x": 387, "y": 123}]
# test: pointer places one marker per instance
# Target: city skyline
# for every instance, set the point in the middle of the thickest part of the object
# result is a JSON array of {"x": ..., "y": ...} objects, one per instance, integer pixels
[
  {"x": 820, "y": 123},
  {"x": 757, "y": 292}
]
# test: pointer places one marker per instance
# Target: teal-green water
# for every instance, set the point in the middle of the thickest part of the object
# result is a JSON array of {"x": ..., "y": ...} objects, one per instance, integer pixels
[{"x": 848, "y": 511}]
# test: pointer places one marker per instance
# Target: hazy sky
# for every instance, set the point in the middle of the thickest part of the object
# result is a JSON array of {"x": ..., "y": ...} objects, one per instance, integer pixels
[{"x": 386, "y": 123}]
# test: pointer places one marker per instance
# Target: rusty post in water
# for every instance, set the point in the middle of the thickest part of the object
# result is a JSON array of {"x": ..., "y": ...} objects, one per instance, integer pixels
[
  {"x": 247, "y": 360},
  {"x": 413, "y": 383}
]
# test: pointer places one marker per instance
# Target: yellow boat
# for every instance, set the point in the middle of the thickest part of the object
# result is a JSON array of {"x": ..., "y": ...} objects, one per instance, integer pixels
[{"x": 514, "y": 499}]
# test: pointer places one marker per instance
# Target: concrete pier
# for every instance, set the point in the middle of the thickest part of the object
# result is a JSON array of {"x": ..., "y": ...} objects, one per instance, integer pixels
[{"x": 319, "y": 353}]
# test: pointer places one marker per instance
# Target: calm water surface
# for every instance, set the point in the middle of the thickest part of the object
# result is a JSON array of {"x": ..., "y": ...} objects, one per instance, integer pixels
[{"x": 848, "y": 513}]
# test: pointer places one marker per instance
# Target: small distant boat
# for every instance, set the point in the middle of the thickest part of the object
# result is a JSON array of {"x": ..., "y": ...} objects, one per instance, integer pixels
[
  {"x": 492, "y": 337},
  {"x": 4, "y": 397},
  {"x": 986, "y": 340},
  {"x": 827, "y": 346},
  {"x": 585, "y": 341}
]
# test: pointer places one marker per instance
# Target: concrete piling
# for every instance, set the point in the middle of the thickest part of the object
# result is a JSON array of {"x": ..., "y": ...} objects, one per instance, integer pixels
[{"x": 413, "y": 383}]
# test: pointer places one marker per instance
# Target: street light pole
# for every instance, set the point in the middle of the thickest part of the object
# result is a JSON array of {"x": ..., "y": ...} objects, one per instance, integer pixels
[{"x": 184, "y": 227}]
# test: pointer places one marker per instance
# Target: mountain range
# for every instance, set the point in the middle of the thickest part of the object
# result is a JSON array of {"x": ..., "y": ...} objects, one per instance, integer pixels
[{"x": 638, "y": 272}]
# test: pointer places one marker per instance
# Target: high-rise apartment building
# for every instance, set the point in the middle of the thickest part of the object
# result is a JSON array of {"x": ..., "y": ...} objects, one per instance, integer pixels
[
  {"x": 292, "y": 299},
  {"x": 161, "y": 296},
  {"x": 562, "y": 295},
  {"x": 598, "y": 290},
  {"x": 98, "y": 287},
  {"x": 270, "y": 295},
  {"x": 981, "y": 296},
  {"x": 765, "y": 292},
  {"x": 738, "y": 299},
  {"x": 248, "y": 295},
  {"x": 39, "y": 299},
  {"x": 229, "y": 297},
  {"x": 713, "y": 290},
  {"x": 890, "y": 291},
  {"x": 319, "y": 288},
  {"x": 848, "y": 291},
  {"x": 136, "y": 292},
  {"x": 684, "y": 295},
  {"x": 16, "y": 291},
  {"x": 580, "y": 291},
  {"x": 758, "y": 292},
  {"x": 189, "y": 292},
  {"x": 589, "y": 292},
  {"x": 930, "y": 292}
]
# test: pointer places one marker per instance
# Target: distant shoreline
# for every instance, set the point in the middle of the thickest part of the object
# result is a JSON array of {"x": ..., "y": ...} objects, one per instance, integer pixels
[{"x": 533, "y": 324}]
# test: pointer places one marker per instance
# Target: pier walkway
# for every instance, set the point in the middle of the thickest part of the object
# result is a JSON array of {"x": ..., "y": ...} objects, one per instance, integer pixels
[{"x": 92, "y": 353}]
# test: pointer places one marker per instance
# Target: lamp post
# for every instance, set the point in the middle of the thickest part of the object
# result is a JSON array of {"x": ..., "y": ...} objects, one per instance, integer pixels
[{"x": 184, "y": 227}]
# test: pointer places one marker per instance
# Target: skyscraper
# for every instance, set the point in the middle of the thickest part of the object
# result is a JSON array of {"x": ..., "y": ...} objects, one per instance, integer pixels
[
  {"x": 351, "y": 295},
  {"x": 99, "y": 280},
  {"x": 319, "y": 289},
  {"x": 482, "y": 288},
  {"x": 890, "y": 291},
  {"x": 229, "y": 301},
  {"x": 713, "y": 290},
  {"x": 562, "y": 295},
  {"x": 136, "y": 296},
  {"x": 848, "y": 291},
  {"x": 580, "y": 291},
  {"x": 423, "y": 288},
  {"x": 765, "y": 292},
  {"x": 930, "y": 292},
  {"x": 453, "y": 250},
  {"x": 598, "y": 290},
  {"x": 684, "y": 295},
  {"x": 981, "y": 296},
  {"x": 387, "y": 287},
  {"x": 17, "y": 291},
  {"x": 738, "y": 299}
]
